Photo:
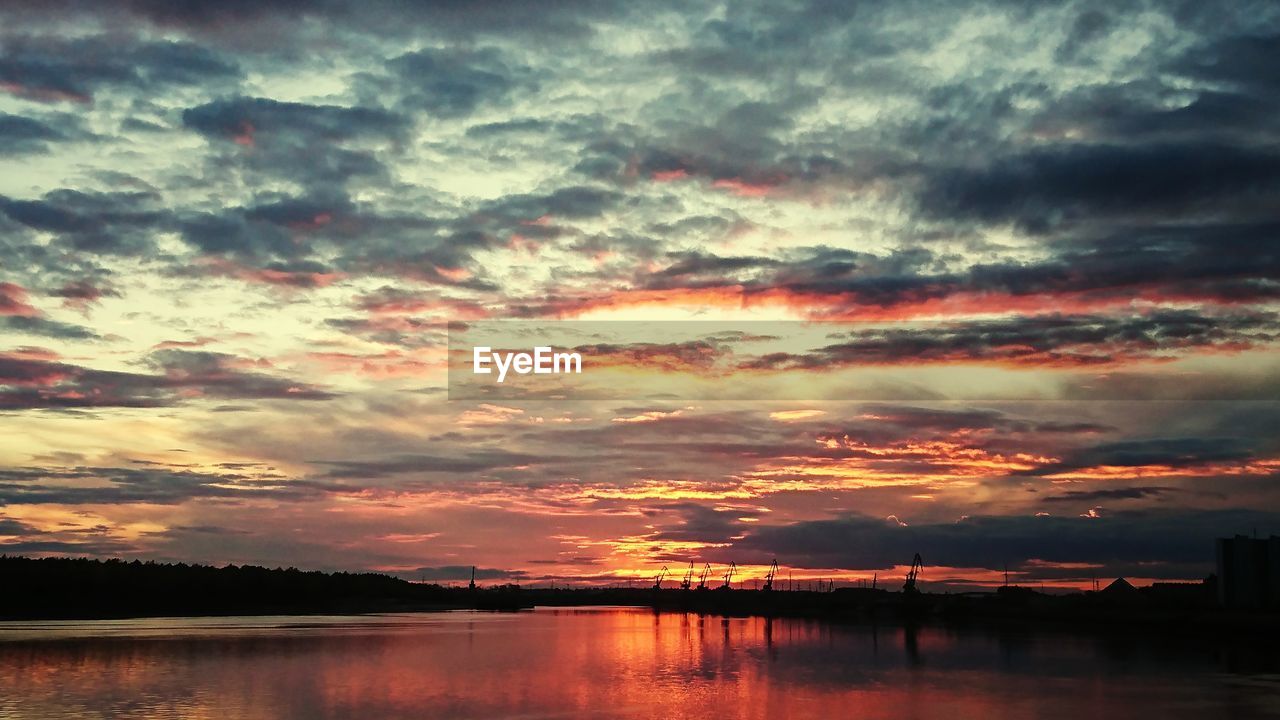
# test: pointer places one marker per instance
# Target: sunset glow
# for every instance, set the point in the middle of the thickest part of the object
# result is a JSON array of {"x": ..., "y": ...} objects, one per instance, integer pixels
[{"x": 1029, "y": 256}]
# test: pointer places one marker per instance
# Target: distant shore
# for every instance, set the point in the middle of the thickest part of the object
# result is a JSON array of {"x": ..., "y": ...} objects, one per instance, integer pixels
[
  {"x": 83, "y": 589},
  {"x": 61, "y": 588}
]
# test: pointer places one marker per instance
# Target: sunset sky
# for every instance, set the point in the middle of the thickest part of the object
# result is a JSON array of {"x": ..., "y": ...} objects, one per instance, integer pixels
[{"x": 1041, "y": 243}]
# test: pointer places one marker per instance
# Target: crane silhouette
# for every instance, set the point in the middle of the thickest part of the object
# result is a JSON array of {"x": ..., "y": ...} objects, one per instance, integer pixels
[
  {"x": 728, "y": 576},
  {"x": 768, "y": 580},
  {"x": 702, "y": 579},
  {"x": 687, "y": 582},
  {"x": 662, "y": 575},
  {"x": 917, "y": 565}
]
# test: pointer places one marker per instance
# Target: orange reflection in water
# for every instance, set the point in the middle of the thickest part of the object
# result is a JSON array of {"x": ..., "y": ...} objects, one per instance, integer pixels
[{"x": 583, "y": 663}]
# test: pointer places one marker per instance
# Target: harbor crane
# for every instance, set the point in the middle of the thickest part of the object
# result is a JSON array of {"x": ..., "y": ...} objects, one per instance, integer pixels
[
  {"x": 768, "y": 580},
  {"x": 702, "y": 579},
  {"x": 917, "y": 565},
  {"x": 687, "y": 582},
  {"x": 662, "y": 575},
  {"x": 728, "y": 576}
]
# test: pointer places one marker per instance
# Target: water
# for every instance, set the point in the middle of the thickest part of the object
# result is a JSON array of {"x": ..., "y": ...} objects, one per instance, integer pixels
[{"x": 610, "y": 662}]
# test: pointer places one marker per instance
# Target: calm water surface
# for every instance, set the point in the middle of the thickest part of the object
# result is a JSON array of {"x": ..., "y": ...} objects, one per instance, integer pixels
[{"x": 604, "y": 662}]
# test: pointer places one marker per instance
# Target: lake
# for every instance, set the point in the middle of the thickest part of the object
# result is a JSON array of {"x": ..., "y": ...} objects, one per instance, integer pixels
[{"x": 612, "y": 662}]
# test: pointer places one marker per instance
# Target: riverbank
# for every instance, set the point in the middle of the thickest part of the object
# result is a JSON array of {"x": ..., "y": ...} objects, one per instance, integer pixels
[
  {"x": 81, "y": 589},
  {"x": 65, "y": 589}
]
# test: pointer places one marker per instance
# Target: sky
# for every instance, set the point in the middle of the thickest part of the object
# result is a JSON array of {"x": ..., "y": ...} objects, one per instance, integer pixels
[{"x": 233, "y": 236}]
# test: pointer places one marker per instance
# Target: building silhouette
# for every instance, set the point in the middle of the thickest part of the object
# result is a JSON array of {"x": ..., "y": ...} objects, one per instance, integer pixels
[{"x": 1249, "y": 572}]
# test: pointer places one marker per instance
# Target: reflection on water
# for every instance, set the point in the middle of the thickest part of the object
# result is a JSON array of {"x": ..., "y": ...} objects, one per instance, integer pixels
[{"x": 610, "y": 663}]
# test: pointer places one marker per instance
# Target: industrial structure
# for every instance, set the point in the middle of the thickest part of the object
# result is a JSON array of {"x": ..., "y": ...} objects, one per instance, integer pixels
[
  {"x": 771, "y": 578},
  {"x": 728, "y": 576},
  {"x": 662, "y": 575},
  {"x": 702, "y": 579},
  {"x": 1248, "y": 572},
  {"x": 916, "y": 566}
]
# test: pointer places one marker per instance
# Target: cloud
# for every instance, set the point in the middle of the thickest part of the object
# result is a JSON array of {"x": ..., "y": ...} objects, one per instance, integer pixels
[
  {"x": 462, "y": 573},
  {"x": 922, "y": 419},
  {"x": 465, "y": 462},
  {"x": 1088, "y": 496},
  {"x": 1235, "y": 60},
  {"x": 1174, "y": 453},
  {"x": 13, "y": 301},
  {"x": 320, "y": 147},
  {"x": 452, "y": 83},
  {"x": 44, "y": 327},
  {"x": 251, "y": 121},
  {"x": 1122, "y": 542},
  {"x": 21, "y": 135},
  {"x": 179, "y": 376},
  {"x": 52, "y": 69},
  {"x": 17, "y": 315},
  {"x": 406, "y": 332},
  {"x": 1086, "y": 190},
  {"x": 106, "y": 223},
  {"x": 1044, "y": 187},
  {"x": 697, "y": 523},
  {"x": 1045, "y": 341},
  {"x": 83, "y": 293},
  {"x": 88, "y": 485},
  {"x": 251, "y": 27}
]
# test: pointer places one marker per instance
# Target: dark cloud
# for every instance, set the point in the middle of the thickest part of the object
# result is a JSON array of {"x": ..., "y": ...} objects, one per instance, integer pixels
[
  {"x": 253, "y": 26},
  {"x": 1130, "y": 542},
  {"x": 1235, "y": 60},
  {"x": 315, "y": 146},
  {"x": 21, "y": 135},
  {"x": 275, "y": 241},
  {"x": 83, "y": 293},
  {"x": 180, "y": 376},
  {"x": 219, "y": 234},
  {"x": 1225, "y": 262},
  {"x": 461, "y": 573},
  {"x": 699, "y": 523},
  {"x": 1090, "y": 25},
  {"x": 471, "y": 461},
  {"x": 1044, "y": 187},
  {"x": 1153, "y": 112},
  {"x": 254, "y": 120},
  {"x": 94, "y": 547},
  {"x": 407, "y": 332},
  {"x": 574, "y": 202},
  {"x": 448, "y": 83},
  {"x": 499, "y": 129},
  {"x": 58, "y": 69},
  {"x": 739, "y": 152},
  {"x": 949, "y": 420},
  {"x": 12, "y": 527},
  {"x": 442, "y": 250},
  {"x": 1177, "y": 453},
  {"x": 1042, "y": 341},
  {"x": 13, "y": 300},
  {"x": 149, "y": 485},
  {"x": 107, "y": 223},
  {"x": 44, "y": 327},
  {"x": 688, "y": 264},
  {"x": 1094, "y": 496}
]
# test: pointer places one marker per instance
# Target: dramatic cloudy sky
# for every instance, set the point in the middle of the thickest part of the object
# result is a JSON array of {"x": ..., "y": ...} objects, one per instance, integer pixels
[{"x": 232, "y": 234}]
